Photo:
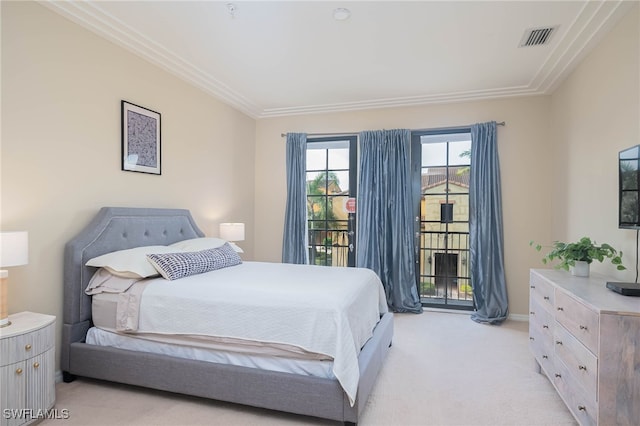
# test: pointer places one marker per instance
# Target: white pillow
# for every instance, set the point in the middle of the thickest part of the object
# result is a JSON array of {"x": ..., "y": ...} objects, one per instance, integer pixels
[
  {"x": 204, "y": 243},
  {"x": 130, "y": 263}
]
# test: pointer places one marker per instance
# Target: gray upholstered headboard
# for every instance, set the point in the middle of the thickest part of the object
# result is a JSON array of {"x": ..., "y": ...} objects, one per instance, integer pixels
[{"x": 113, "y": 228}]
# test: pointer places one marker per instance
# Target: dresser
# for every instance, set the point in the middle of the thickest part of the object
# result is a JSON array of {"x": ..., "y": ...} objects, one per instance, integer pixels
[
  {"x": 27, "y": 368},
  {"x": 586, "y": 340}
]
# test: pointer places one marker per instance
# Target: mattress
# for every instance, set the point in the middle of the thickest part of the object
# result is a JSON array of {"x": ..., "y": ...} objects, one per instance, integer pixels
[
  {"x": 191, "y": 349},
  {"x": 328, "y": 312},
  {"x": 104, "y": 308}
]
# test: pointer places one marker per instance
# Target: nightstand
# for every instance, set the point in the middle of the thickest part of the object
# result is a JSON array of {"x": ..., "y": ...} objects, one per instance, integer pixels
[{"x": 27, "y": 368}]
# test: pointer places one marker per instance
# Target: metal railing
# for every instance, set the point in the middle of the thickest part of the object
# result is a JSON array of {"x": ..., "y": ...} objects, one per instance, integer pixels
[
  {"x": 444, "y": 276},
  {"x": 328, "y": 247}
]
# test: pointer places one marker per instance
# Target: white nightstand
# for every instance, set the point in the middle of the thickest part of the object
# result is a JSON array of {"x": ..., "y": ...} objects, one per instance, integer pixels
[{"x": 27, "y": 368}]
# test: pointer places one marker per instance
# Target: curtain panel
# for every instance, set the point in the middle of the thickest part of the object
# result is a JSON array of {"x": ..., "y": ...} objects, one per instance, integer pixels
[
  {"x": 385, "y": 224},
  {"x": 485, "y": 227},
  {"x": 295, "y": 239}
]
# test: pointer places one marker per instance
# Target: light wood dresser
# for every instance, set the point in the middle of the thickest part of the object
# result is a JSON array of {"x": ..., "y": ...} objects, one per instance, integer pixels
[
  {"x": 27, "y": 368},
  {"x": 586, "y": 340}
]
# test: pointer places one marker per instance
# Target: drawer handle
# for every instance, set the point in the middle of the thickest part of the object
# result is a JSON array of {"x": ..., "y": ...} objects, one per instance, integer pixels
[
  {"x": 546, "y": 297},
  {"x": 36, "y": 364},
  {"x": 560, "y": 308},
  {"x": 531, "y": 338},
  {"x": 582, "y": 367},
  {"x": 558, "y": 342},
  {"x": 19, "y": 371},
  {"x": 545, "y": 326},
  {"x": 558, "y": 375},
  {"x": 532, "y": 286},
  {"x": 583, "y": 327},
  {"x": 582, "y": 408},
  {"x": 545, "y": 357},
  {"x": 532, "y": 313},
  {"x": 27, "y": 347}
]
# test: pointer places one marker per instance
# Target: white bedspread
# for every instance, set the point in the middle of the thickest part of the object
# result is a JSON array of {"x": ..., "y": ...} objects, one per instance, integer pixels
[{"x": 326, "y": 310}]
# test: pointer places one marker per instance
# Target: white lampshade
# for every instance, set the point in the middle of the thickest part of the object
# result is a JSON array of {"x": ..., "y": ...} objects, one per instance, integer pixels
[
  {"x": 14, "y": 248},
  {"x": 232, "y": 231}
]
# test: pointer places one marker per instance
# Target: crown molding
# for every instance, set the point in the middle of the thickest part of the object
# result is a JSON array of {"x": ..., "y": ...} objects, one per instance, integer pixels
[{"x": 402, "y": 102}]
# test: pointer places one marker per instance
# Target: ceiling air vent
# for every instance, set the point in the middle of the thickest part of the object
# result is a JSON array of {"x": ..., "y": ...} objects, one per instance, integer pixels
[{"x": 537, "y": 36}]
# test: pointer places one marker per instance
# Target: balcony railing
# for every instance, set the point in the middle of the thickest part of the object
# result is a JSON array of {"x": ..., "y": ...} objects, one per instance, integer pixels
[
  {"x": 329, "y": 247},
  {"x": 444, "y": 268}
]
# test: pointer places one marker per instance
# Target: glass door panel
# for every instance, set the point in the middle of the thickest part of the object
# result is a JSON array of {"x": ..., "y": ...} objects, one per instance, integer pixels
[
  {"x": 441, "y": 190},
  {"x": 331, "y": 178}
]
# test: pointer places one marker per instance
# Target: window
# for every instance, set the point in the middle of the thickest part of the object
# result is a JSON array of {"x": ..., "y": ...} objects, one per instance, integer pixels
[
  {"x": 331, "y": 182},
  {"x": 446, "y": 212}
]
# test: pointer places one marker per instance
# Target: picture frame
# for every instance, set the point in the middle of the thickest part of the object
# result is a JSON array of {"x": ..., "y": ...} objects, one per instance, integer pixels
[{"x": 141, "y": 139}]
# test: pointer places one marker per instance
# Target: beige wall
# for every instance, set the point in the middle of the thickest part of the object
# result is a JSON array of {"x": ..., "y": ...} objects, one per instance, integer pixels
[
  {"x": 524, "y": 144},
  {"x": 61, "y": 93},
  {"x": 596, "y": 113}
]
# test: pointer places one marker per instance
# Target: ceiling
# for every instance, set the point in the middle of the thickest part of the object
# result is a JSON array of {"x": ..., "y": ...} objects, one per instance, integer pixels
[{"x": 275, "y": 58}]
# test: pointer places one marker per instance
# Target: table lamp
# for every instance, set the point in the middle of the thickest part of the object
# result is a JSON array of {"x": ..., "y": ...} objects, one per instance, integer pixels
[
  {"x": 14, "y": 251},
  {"x": 232, "y": 231}
]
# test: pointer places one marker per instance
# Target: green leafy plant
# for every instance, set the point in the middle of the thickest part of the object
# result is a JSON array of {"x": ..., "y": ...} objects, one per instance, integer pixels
[{"x": 584, "y": 250}]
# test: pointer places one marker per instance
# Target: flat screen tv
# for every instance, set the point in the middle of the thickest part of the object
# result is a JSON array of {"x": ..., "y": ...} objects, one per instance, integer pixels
[{"x": 629, "y": 188}]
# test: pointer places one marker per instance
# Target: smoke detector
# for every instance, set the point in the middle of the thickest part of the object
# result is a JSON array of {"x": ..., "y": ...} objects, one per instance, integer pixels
[{"x": 341, "y": 14}]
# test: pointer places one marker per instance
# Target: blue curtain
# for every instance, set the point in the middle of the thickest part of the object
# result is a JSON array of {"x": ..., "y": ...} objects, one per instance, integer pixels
[
  {"x": 294, "y": 244},
  {"x": 485, "y": 227},
  {"x": 385, "y": 218}
]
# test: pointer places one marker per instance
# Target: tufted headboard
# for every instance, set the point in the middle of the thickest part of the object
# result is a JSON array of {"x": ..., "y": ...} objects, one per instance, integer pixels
[{"x": 113, "y": 228}]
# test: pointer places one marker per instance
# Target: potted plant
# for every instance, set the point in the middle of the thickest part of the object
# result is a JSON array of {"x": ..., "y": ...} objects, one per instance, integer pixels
[{"x": 579, "y": 255}]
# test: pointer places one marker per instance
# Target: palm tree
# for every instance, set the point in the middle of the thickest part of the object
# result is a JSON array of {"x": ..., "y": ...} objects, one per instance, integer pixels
[{"x": 320, "y": 207}]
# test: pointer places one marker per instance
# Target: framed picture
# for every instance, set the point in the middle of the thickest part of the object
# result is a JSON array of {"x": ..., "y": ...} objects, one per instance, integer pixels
[{"x": 140, "y": 139}]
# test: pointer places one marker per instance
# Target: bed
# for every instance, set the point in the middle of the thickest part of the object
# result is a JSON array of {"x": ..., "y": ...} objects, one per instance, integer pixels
[{"x": 115, "y": 228}]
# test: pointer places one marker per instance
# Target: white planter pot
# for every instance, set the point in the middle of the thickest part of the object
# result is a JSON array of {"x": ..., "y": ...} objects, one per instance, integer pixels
[{"x": 581, "y": 269}]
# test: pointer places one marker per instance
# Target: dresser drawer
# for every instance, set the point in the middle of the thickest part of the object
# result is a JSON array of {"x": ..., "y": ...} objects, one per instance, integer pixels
[
  {"x": 541, "y": 322},
  {"x": 583, "y": 407},
  {"x": 540, "y": 315},
  {"x": 542, "y": 291},
  {"x": 24, "y": 346},
  {"x": 543, "y": 352},
  {"x": 581, "y": 321},
  {"x": 580, "y": 362}
]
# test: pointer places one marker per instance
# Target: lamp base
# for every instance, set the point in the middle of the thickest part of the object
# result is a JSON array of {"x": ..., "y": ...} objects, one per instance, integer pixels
[{"x": 4, "y": 312}]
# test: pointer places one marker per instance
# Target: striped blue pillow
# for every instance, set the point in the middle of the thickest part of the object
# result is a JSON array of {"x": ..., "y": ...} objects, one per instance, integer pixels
[{"x": 173, "y": 266}]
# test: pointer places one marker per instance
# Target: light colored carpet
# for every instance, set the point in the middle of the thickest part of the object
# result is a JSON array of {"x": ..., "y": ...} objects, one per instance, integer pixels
[{"x": 443, "y": 369}]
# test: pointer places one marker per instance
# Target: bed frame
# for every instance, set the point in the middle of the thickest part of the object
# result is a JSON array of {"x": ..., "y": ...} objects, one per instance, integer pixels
[{"x": 116, "y": 228}]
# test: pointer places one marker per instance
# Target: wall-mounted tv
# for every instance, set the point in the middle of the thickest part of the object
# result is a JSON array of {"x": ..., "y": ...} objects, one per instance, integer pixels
[{"x": 629, "y": 188}]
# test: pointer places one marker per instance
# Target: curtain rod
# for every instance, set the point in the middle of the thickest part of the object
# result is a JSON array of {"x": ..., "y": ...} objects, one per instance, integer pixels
[{"x": 439, "y": 129}]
